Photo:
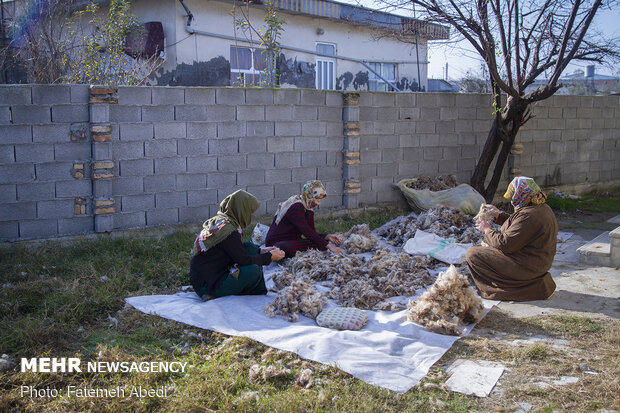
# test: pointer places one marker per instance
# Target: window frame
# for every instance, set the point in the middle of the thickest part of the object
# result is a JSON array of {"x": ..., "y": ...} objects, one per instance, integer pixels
[
  {"x": 257, "y": 75},
  {"x": 378, "y": 80},
  {"x": 323, "y": 62}
]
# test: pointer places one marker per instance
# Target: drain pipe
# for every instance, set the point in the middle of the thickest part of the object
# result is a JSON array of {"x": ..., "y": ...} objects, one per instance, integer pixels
[{"x": 190, "y": 16}]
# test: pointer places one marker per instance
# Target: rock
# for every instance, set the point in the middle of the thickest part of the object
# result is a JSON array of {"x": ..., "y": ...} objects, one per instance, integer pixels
[
  {"x": 524, "y": 407},
  {"x": 6, "y": 363}
]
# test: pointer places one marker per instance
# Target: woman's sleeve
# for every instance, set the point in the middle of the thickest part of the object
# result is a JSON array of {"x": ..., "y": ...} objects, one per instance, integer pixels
[
  {"x": 521, "y": 231},
  {"x": 236, "y": 251},
  {"x": 502, "y": 217},
  {"x": 296, "y": 216}
]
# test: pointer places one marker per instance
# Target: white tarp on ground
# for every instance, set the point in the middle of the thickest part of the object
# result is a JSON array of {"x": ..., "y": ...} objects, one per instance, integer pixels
[{"x": 389, "y": 351}]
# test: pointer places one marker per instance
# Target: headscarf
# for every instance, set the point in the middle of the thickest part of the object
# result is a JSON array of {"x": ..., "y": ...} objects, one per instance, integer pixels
[
  {"x": 523, "y": 191},
  {"x": 235, "y": 214},
  {"x": 310, "y": 191}
]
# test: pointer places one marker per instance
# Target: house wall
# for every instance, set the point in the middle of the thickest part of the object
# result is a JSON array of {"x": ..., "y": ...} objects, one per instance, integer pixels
[
  {"x": 75, "y": 161},
  {"x": 202, "y": 60}
]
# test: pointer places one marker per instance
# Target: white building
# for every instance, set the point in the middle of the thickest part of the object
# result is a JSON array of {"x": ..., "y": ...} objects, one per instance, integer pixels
[{"x": 325, "y": 45}]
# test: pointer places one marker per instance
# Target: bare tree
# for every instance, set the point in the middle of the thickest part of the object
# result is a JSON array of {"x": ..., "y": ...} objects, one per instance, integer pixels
[{"x": 520, "y": 40}]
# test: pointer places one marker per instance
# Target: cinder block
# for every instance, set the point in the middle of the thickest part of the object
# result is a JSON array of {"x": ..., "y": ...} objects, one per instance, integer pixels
[
  {"x": 369, "y": 142},
  {"x": 430, "y": 168},
  {"x": 16, "y": 95},
  {"x": 306, "y": 143},
  {"x": 130, "y": 220},
  {"x": 278, "y": 113},
  {"x": 161, "y": 148},
  {"x": 126, "y": 150},
  {"x": 391, "y": 155},
  {"x": 370, "y": 156},
  {"x": 466, "y": 139},
  {"x": 99, "y": 113},
  {"x": 329, "y": 173},
  {"x": 382, "y": 99},
  {"x": 8, "y": 193},
  {"x": 334, "y": 129},
  {"x": 136, "y": 131},
  {"x": 174, "y": 165},
  {"x": 66, "y": 189},
  {"x": 316, "y": 159},
  {"x": 202, "y": 197},
  {"x": 41, "y": 228},
  {"x": 433, "y": 153},
  {"x": 136, "y": 167},
  {"x": 308, "y": 113},
  {"x": 80, "y": 93},
  {"x": 53, "y": 171},
  {"x": 409, "y": 141},
  {"x": 221, "y": 113},
  {"x": 287, "y": 96},
  {"x": 188, "y": 215},
  {"x": 280, "y": 176},
  {"x": 160, "y": 183},
  {"x": 76, "y": 225},
  {"x": 158, "y": 217},
  {"x": 34, "y": 153},
  {"x": 313, "y": 128},
  {"x": 193, "y": 147},
  {"x": 250, "y": 112},
  {"x": 312, "y": 97},
  {"x": 5, "y": 115},
  {"x": 330, "y": 143},
  {"x": 231, "y": 129},
  {"x": 451, "y": 153},
  {"x": 407, "y": 170},
  {"x": 262, "y": 192},
  {"x": 330, "y": 113},
  {"x": 333, "y": 98},
  {"x": 72, "y": 151},
  {"x": 221, "y": 180},
  {"x": 127, "y": 186},
  {"x": 55, "y": 209},
  {"x": 159, "y": 113},
  {"x": 170, "y": 200},
  {"x": 201, "y": 164},
  {"x": 18, "y": 211},
  {"x": 351, "y": 114},
  {"x": 170, "y": 130},
  {"x": 223, "y": 146},
  {"x": 135, "y": 95},
  {"x": 428, "y": 127},
  {"x": 135, "y": 203},
  {"x": 7, "y": 154},
  {"x": 252, "y": 145},
  {"x": 287, "y": 128},
  {"x": 48, "y": 133},
  {"x": 381, "y": 184},
  {"x": 260, "y": 160},
  {"x": 9, "y": 231},
  {"x": 250, "y": 178},
  {"x": 230, "y": 96},
  {"x": 385, "y": 114},
  {"x": 31, "y": 114},
  {"x": 388, "y": 141},
  {"x": 103, "y": 188},
  {"x": 231, "y": 163},
  {"x": 101, "y": 150},
  {"x": 406, "y": 100},
  {"x": 388, "y": 196},
  {"x": 367, "y": 171},
  {"x": 288, "y": 160},
  {"x": 51, "y": 94},
  {"x": 335, "y": 159},
  {"x": 260, "y": 128},
  {"x": 426, "y": 100},
  {"x": 199, "y": 96},
  {"x": 70, "y": 113},
  {"x": 191, "y": 181},
  {"x": 35, "y": 191},
  {"x": 201, "y": 130},
  {"x": 168, "y": 95},
  {"x": 261, "y": 96},
  {"x": 190, "y": 113}
]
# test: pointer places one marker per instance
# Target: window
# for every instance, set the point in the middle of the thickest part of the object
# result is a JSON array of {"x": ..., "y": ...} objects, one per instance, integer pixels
[
  {"x": 387, "y": 71},
  {"x": 247, "y": 66},
  {"x": 325, "y": 66}
]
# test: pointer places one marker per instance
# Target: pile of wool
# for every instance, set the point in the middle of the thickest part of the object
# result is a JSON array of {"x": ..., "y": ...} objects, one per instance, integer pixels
[
  {"x": 434, "y": 184},
  {"x": 321, "y": 265},
  {"x": 484, "y": 214},
  {"x": 299, "y": 297},
  {"x": 359, "y": 239},
  {"x": 444, "y": 221},
  {"x": 450, "y": 302},
  {"x": 258, "y": 372}
]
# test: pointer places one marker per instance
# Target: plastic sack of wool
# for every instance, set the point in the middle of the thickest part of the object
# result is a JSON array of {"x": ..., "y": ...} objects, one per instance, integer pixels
[
  {"x": 259, "y": 234},
  {"x": 445, "y": 250},
  {"x": 463, "y": 197}
]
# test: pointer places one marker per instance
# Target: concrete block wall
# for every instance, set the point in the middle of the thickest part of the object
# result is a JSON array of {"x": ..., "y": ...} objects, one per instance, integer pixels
[{"x": 44, "y": 161}]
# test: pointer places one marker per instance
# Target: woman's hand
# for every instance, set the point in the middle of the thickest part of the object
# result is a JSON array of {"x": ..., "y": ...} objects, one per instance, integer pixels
[
  {"x": 336, "y": 239},
  {"x": 335, "y": 249},
  {"x": 276, "y": 254},
  {"x": 267, "y": 249},
  {"x": 482, "y": 225},
  {"x": 492, "y": 210}
]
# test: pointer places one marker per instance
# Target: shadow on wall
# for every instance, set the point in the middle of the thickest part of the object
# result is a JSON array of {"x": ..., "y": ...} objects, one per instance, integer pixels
[
  {"x": 215, "y": 72},
  {"x": 292, "y": 72}
]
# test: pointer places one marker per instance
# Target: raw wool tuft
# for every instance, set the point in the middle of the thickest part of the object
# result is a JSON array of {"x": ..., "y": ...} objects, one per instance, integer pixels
[
  {"x": 445, "y": 222},
  {"x": 258, "y": 372},
  {"x": 450, "y": 302},
  {"x": 484, "y": 214},
  {"x": 304, "y": 378},
  {"x": 434, "y": 184},
  {"x": 359, "y": 239},
  {"x": 299, "y": 297}
]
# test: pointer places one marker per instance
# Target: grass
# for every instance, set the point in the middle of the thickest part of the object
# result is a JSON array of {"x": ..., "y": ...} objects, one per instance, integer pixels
[
  {"x": 66, "y": 299},
  {"x": 608, "y": 201}
]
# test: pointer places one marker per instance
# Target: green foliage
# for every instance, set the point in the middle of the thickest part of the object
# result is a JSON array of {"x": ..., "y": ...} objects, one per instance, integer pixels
[{"x": 590, "y": 202}]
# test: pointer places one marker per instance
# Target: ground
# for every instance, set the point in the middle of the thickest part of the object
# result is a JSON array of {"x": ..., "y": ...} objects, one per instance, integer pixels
[{"x": 66, "y": 299}]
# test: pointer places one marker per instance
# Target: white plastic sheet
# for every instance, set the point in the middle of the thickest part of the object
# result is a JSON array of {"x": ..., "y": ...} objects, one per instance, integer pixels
[{"x": 442, "y": 249}]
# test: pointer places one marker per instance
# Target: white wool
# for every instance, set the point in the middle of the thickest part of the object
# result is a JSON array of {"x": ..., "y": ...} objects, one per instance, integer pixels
[
  {"x": 450, "y": 302},
  {"x": 359, "y": 239}
]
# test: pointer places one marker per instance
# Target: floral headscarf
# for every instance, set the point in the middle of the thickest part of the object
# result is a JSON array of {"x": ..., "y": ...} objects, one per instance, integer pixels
[
  {"x": 523, "y": 191},
  {"x": 309, "y": 192}
]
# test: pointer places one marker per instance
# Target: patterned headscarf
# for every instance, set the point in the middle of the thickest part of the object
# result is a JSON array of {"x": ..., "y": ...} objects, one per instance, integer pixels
[
  {"x": 523, "y": 191},
  {"x": 309, "y": 192}
]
